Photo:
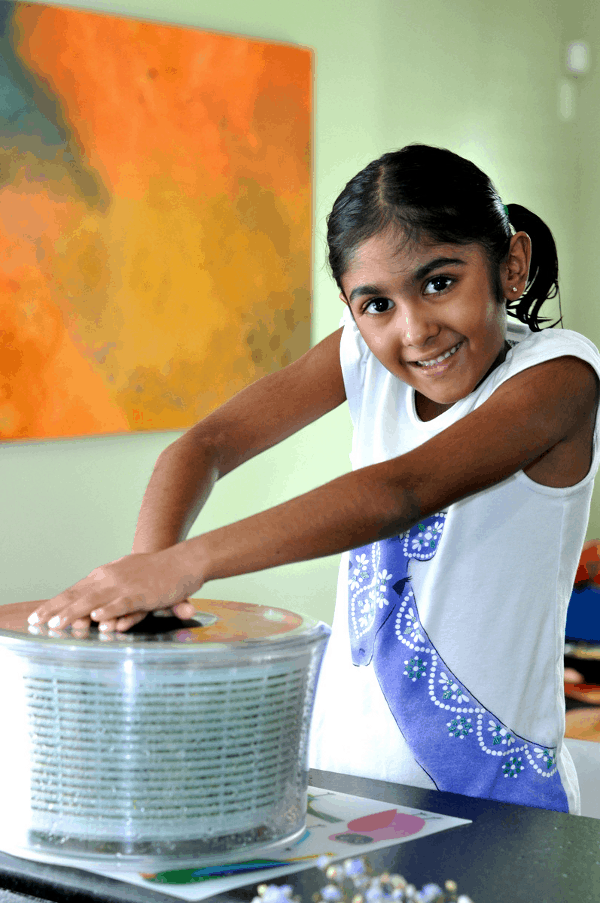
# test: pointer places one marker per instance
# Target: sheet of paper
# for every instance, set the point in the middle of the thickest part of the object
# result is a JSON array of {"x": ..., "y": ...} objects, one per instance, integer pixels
[{"x": 337, "y": 825}]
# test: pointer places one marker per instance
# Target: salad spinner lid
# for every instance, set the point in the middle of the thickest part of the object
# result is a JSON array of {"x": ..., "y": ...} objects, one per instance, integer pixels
[{"x": 215, "y": 622}]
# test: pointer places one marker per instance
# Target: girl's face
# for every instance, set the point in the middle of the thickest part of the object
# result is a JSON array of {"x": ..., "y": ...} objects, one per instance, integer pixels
[{"x": 424, "y": 300}]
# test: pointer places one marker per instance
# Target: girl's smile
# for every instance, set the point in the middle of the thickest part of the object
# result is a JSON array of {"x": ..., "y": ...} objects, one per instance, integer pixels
[
  {"x": 438, "y": 364},
  {"x": 416, "y": 303}
]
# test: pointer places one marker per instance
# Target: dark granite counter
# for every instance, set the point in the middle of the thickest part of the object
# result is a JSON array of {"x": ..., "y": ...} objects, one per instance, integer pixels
[{"x": 509, "y": 854}]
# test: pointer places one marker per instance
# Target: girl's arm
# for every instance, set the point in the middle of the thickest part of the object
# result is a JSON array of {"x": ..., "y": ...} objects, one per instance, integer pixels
[
  {"x": 524, "y": 418},
  {"x": 256, "y": 419}
]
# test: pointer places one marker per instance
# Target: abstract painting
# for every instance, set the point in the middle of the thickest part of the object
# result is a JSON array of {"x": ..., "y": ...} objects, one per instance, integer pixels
[{"x": 155, "y": 219}]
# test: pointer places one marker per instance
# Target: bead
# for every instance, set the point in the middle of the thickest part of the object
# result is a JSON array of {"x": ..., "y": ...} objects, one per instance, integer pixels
[
  {"x": 277, "y": 894},
  {"x": 354, "y": 867},
  {"x": 334, "y": 873},
  {"x": 371, "y": 888},
  {"x": 430, "y": 893}
]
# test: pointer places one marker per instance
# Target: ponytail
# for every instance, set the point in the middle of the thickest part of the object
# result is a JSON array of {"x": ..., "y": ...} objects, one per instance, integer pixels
[{"x": 542, "y": 283}]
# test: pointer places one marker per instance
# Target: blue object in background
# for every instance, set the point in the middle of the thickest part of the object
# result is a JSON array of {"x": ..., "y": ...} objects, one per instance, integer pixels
[{"x": 583, "y": 615}]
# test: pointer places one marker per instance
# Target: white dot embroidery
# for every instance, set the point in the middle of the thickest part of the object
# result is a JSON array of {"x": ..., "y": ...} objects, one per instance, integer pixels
[
  {"x": 452, "y": 684},
  {"x": 368, "y": 586}
]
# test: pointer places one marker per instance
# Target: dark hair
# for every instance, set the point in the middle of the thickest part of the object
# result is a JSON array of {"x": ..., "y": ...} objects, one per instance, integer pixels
[{"x": 432, "y": 193}]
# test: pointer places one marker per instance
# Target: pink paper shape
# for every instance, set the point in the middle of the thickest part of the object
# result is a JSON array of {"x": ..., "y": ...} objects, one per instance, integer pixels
[{"x": 385, "y": 825}]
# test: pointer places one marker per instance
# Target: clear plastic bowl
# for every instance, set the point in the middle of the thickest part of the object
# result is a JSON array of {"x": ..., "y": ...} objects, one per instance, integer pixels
[{"x": 172, "y": 745}]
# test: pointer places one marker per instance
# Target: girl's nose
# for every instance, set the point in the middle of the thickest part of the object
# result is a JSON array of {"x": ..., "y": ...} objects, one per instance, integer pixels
[{"x": 415, "y": 328}]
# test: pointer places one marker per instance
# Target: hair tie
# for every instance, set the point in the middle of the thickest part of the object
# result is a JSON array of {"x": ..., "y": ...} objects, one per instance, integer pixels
[{"x": 506, "y": 211}]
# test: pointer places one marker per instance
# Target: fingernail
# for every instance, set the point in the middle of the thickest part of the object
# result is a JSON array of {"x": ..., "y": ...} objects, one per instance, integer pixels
[
  {"x": 103, "y": 627},
  {"x": 54, "y": 622},
  {"x": 95, "y": 615},
  {"x": 33, "y": 618}
]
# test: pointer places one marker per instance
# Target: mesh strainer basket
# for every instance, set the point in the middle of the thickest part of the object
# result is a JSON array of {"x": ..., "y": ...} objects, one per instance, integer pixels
[{"x": 176, "y": 743}]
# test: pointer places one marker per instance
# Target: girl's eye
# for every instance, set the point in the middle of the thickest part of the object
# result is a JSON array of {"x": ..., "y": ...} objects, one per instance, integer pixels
[
  {"x": 378, "y": 306},
  {"x": 439, "y": 283}
]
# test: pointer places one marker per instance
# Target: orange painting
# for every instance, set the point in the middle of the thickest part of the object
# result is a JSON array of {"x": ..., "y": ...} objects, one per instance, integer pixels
[{"x": 155, "y": 220}]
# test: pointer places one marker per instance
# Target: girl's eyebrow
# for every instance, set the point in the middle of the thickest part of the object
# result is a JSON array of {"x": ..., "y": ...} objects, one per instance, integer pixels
[
  {"x": 419, "y": 274},
  {"x": 427, "y": 268}
]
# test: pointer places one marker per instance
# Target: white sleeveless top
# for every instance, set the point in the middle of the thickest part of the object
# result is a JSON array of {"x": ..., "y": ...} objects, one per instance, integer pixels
[{"x": 444, "y": 669}]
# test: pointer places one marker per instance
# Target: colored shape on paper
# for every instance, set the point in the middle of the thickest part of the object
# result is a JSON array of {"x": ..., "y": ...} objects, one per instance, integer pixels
[
  {"x": 373, "y": 822},
  {"x": 380, "y": 826},
  {"x": 206, "y": 873}
]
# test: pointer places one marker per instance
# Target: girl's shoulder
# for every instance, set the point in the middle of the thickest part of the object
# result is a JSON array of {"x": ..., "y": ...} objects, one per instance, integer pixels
[
  {"x": 528, "y": 348},
  {"x": 569, "y": 461},
  {"x": 520, "y": 334},
  {"x": 519, "y": 423}
]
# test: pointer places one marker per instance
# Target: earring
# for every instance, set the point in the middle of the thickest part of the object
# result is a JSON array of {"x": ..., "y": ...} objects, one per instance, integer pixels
[{"x": 514, "y": 288}]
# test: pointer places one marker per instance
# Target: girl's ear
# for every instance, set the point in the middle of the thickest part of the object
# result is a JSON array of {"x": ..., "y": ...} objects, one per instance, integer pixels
[{"x": 515, "y": 271}]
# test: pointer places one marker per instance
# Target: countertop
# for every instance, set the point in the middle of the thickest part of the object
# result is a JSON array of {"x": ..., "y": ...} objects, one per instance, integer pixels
[{"x": 509, "y": 854}]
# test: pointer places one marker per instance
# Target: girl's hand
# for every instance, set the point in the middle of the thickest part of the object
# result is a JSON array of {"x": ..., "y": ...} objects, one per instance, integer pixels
[
  {"x": 183, "y": 610},
  {"x": 121, "y": 593}
]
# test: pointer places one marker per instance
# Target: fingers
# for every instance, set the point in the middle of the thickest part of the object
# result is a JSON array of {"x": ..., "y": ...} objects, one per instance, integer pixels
[
  {"x": 81, "y": 628},
  {"x": 184, "y": 610},
  {"x": 121, "y": 608},
  {"x": 58, "y": 615},
  {"x": 113, "y": 614},
  {"x": 123, "y": 624},
  {"x": 75, "y": 606},
  {"x": 63, "y": 609},
  {"x": 113, "y": 625}
]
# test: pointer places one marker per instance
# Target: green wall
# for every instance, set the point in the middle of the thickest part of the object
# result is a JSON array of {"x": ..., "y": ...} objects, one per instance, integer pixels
[{"x": 479, "y": 78}]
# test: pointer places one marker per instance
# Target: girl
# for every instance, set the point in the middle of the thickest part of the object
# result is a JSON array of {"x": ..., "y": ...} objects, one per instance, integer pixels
[{"x": 474, "y": 455}]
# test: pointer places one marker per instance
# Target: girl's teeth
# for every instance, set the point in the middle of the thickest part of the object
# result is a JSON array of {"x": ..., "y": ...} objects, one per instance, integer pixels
[{"x": 439, "y": 359}]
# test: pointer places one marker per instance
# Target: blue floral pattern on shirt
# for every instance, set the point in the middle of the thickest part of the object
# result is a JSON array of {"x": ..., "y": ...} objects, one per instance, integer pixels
[{"x": 461, "y": 745}]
